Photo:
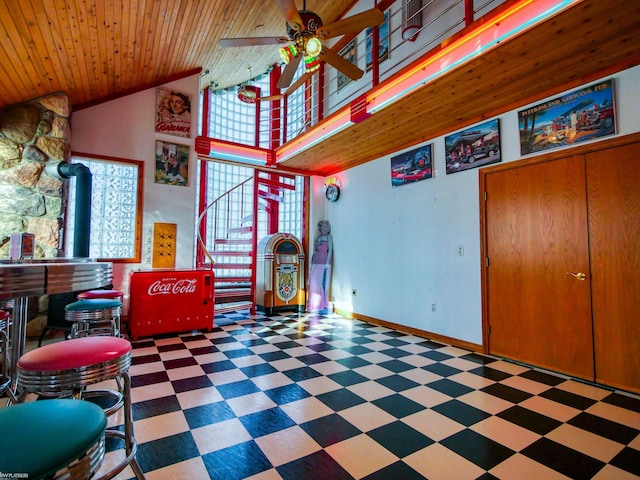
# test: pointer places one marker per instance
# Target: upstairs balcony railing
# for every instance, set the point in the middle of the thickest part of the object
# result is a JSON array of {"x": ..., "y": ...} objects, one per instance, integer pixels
[{"x": 412, "y": 28}]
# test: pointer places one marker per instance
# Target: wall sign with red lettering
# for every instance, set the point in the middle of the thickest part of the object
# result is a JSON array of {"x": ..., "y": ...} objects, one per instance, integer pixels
[{"x": 173, "y": 112}]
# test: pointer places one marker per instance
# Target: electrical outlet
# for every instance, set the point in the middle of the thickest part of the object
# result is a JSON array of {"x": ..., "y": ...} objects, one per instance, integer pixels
[
  {"x": 354, "y": 292},
  {"x": 433, "y": 307},
  {"x": 461, "y": 250}
]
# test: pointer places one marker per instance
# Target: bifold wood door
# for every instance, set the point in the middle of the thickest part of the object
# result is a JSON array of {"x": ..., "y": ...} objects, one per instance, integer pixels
[
  {"x": 613, "y": 192},
  {"x": 562, "y": 285},
  {"x": 539, "y": 303}
]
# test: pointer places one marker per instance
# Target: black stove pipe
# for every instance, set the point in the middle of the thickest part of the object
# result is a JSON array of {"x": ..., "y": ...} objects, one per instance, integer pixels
[{"x": 82, "y": 223}]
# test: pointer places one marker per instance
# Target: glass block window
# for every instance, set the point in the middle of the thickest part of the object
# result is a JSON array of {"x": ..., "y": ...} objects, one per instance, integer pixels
[
  {"x": 291, "y": 211},
  {"x": 235, "y": 121},
  {"x": 116, "y": 191}
]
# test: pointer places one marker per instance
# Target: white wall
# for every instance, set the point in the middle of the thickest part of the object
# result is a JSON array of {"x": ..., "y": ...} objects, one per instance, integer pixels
[
  {"x": 124, "y": 128},
  {"x": 399, "y": 246}
]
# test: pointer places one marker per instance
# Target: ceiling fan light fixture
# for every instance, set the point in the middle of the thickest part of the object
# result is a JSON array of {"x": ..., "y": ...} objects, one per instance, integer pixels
[
  {"x": 311, "y": 64},
  {"x": 288, "y": 53},
  {"x": 313, "y": 47}
]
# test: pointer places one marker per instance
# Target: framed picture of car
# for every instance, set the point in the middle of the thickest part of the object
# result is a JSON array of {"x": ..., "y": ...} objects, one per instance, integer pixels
[
  {"x": 412, "y": 166},
  {"x": 579, "y": 115},
  {"x": 474, "y": 147}
]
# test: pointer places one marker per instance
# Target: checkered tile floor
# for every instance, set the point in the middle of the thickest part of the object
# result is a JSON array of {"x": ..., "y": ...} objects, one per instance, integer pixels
[{"x": 324, "y": 397}]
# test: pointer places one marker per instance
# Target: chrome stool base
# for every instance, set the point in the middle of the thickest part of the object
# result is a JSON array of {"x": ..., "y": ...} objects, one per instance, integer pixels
[{"x": 69, "y": 367}]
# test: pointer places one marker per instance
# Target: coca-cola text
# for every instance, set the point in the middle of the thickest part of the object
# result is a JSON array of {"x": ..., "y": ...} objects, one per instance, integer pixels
[{"x": 172, "y": 287}]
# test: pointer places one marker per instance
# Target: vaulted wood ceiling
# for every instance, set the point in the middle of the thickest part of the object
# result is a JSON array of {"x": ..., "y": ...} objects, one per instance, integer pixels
[
  {"x": 95, "y": 50},
  {"x": 99, "y": 49}
]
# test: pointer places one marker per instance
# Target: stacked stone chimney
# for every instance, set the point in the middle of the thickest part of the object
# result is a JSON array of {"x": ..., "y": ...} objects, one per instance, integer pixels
[{"x": 32, "y": 135}]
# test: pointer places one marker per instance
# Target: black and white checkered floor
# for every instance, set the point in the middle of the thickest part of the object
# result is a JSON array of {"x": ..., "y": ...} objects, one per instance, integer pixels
[{"x": 324, "y": 397}]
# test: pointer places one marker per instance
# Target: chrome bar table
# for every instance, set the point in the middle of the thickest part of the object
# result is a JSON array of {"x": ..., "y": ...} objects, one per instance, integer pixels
[{"x": 21, "y": 279}]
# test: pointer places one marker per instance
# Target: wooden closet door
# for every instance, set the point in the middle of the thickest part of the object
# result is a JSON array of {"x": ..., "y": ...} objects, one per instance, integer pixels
[
  {"x": 536, "y": 234},
  {"x": 613, "y": 185}
]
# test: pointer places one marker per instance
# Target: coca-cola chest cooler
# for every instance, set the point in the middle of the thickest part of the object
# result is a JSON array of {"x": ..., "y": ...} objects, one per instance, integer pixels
[{"x": 170, "y": 301}]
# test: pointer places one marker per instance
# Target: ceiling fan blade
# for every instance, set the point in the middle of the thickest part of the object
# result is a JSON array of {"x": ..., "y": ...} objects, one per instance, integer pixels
[
  {"x": 339, "y": 63},
  {"x": 253, "y": 41},
  {"x": 289, "y": 72},
  {"x": 353, "y": 24},
  {"x": 290, "y": 12},
  {"x": 301, "y": 80},
  {"x": 270, "y": 98}
]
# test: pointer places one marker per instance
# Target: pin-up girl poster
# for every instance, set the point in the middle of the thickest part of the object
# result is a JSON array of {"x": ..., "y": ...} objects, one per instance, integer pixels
[{"x": 173, "y": 112}]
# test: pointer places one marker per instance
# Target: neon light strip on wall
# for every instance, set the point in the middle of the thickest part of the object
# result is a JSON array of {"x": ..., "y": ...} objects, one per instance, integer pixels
[
  {"x": 321, "y": 132},
  {"x": 237, "y": 153}
]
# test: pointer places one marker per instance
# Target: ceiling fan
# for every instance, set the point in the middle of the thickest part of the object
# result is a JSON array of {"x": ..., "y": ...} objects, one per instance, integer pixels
[{"x": 305, "y": 35}]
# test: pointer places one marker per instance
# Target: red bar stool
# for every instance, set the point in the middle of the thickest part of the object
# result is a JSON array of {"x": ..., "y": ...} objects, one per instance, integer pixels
[
  {"x": 113, "y": 294},
  {"x": 5, "y": 356},
  {"x": 94, "y": 316},
  {"x": 56, "y": 439},
  {"x": 69, "y": 367}
]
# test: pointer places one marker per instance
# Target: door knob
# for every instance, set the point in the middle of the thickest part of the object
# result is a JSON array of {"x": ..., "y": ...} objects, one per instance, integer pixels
[{"x": 579, "y": 276}]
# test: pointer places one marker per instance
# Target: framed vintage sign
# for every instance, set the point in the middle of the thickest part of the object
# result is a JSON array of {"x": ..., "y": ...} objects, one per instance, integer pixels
[
  {"x": 173, "y": 112},
  {"x": 474, "y": 147},
  {"x": 412, "y": 166},
  {"x": 172, "y": 163},
  {"x": 580, "y": 115}
]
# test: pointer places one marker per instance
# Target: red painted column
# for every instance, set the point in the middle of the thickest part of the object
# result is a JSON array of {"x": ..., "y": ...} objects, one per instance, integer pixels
[
  {"x": 203, "y": 200},
  {"x": 275, "y": 112},
  {"x": 375, "y": 51},
  {"x": 468, "y": 12}
]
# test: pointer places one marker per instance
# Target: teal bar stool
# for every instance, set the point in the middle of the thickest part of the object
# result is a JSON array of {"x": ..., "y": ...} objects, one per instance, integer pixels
[
  {"x": 94, "y": 316},
  {"x": 71, "y": 367},
  {"x": 53, "y": 439}
]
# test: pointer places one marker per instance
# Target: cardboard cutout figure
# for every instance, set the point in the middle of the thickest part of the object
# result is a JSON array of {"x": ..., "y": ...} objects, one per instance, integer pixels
[{"x": 320, "y": 271}]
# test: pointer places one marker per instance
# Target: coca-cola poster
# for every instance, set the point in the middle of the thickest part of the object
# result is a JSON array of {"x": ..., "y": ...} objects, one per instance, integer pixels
[
  {"x": 172, "y": 163},
  {"x": 173, "y": 112}
]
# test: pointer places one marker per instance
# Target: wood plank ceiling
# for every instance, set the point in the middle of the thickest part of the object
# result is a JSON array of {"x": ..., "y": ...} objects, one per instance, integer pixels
[
  {"x": 95, "y": 50},
  {"x": 100, "y": 49}
]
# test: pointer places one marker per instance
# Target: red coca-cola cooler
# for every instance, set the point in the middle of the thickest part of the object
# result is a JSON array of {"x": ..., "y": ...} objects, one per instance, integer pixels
[{"x": 170, "y": 301}]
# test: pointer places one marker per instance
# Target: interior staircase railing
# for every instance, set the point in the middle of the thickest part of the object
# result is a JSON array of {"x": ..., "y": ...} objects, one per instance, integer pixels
[{"x": 230, "y": 251}]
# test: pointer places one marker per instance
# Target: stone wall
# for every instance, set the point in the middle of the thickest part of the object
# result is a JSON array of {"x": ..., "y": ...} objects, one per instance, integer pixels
[{"x": 33, "y": 135}]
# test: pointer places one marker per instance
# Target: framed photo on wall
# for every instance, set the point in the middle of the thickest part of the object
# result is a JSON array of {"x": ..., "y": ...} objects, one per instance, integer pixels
[
  {"x": 383, "y": 48},
  {"x": 172, "y": 163},
  {"x": 412, "y": 166},
  {"x": 582, "y": 114},
  {"x": 173, "y": 112},
  {"x": 474, "y": 147},
  {"x": 349, "y": 53}
]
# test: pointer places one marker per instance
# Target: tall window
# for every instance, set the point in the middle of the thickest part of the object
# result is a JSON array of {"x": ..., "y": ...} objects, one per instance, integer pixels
[
  {"x": 116, "y": 208},
  {"x": 235, "y": 121}
]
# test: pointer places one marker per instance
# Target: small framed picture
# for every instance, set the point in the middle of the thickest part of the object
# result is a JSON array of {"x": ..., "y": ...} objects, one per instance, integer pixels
[
  {"x": 474, "y": 147},
  {"x": 172, "y": 164},
  {"x": 412, "y": 166},
  {"x": 173, "y": 112}
]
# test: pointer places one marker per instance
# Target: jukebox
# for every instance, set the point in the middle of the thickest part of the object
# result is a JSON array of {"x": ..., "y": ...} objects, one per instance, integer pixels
[{"x": 280, "y": 273}]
